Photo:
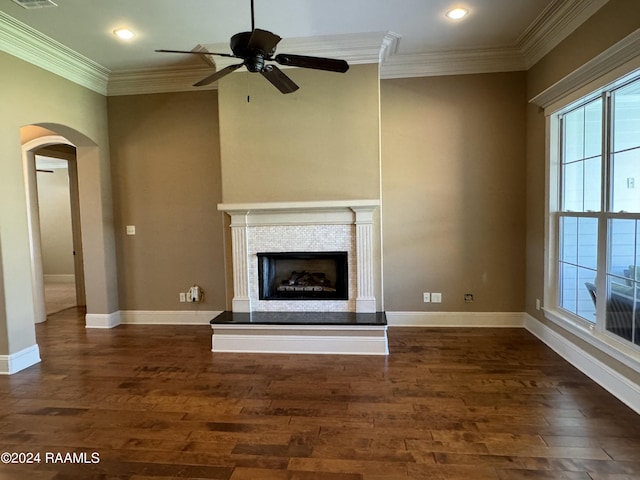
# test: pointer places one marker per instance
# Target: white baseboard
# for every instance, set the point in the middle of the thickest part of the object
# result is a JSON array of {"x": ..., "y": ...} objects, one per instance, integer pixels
[
  {"x": 615, "y": 383},
  {"x": 454, "y": 319},
  {"x": 167, "y": 317},
  {"x": 10, "y": 364},
  {"x": 51, "y": 278},
  {"x": 102, "y": 320}
]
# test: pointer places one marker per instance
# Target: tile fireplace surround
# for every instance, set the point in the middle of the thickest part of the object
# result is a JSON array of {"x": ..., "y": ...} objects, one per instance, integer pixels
[{"x": 346, "y": 225}]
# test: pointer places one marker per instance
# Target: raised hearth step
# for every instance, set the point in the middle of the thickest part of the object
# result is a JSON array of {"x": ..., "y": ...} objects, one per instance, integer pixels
[{"x": 343, "y": 333}]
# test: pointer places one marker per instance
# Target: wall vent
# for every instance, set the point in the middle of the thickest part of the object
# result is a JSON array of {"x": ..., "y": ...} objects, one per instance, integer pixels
[{"x": 31, "y": 4}]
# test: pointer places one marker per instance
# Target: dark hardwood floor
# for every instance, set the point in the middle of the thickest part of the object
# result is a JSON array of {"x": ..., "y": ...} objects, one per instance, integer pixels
[{"x": 153, "y": 402}]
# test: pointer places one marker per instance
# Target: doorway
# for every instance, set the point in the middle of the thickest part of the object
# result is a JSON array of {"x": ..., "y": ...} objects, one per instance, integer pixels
[{"x": 59, "y": 219}]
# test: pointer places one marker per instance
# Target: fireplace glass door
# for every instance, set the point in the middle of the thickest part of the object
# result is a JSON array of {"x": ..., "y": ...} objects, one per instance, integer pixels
[{"x": 303, "y": 276}]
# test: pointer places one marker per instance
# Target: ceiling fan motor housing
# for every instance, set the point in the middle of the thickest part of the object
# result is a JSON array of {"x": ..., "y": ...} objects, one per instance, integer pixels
[{"x": 254, "y": 57}]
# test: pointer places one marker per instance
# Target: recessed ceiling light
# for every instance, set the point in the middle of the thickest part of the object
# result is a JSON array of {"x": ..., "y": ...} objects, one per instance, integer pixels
[
  {"x": 457, "y": 13},
  {"x": 124, "y": 33}
]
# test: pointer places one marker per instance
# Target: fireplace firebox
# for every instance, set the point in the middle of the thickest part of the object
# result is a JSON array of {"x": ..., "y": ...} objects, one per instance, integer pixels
[{"x": 303, "y": 276}]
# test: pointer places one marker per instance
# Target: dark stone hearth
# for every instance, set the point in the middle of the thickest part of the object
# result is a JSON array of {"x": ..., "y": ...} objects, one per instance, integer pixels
[{"x": 300, "y": 318}]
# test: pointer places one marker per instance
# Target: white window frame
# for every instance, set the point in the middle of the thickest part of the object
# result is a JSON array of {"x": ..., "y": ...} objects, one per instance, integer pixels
[{"x": 608, "y": 70}]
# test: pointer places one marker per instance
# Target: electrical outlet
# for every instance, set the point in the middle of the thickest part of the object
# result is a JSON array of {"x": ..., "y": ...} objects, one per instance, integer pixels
[
  {"x": 468, "y": 297},
  {"x": 188, "y": 294},
  {"x": 436, "y": 297},
  {"x": 426, "y": 297},
  {"x": 183, "y": 297},
  {"x": 537, "y": 304}
]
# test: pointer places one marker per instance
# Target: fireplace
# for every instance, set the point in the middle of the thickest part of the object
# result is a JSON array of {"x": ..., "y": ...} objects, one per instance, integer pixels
[
  {"x": 303, "y": 276},
  {"x": 337, "y": 231}
]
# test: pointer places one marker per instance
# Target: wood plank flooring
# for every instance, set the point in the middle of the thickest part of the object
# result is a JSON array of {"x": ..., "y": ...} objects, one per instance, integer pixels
[{"x": 153, "y": 402}]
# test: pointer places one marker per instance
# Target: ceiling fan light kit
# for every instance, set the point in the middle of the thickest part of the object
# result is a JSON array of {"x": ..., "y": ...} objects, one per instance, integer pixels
[{"x": 255, "y": 49}]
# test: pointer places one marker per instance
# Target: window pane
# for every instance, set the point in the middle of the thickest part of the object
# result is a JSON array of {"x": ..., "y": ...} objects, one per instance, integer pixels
[
  {"x": 593, "y": 129},
  {"x": 569, "y": 245},
  {"x": 637, "y": 270},
  {"x": 622, "y": 247},
  {"x": 573, "y": 136},
  {"x": 568, "y": 282},
  {"x": 588, "y": 243},
  {"x": 578, "y": 261},
  {"x": 625, "y": 175},
  {"x": 623, "y": 309},
  {"x": 592, "y": 184},
  {"x": 585, "y": 305},
  {"x": 573, "y": 191},
  {"x": 626, "y": 117}
]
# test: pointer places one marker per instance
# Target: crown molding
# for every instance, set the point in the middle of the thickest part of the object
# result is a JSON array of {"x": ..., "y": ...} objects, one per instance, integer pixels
[
  {"x": 453, "y": 62},
  {"x": 157, "y": 80},
  {"x": 623, "y": 54},
  {"x": 30, "y": 45},
  {"x": 552, "y": 26}
]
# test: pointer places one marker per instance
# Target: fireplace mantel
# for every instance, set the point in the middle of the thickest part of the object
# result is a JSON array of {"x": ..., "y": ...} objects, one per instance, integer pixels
[
  {"x": 287, "y": 213},
  {"x": 247, "y": 218}
]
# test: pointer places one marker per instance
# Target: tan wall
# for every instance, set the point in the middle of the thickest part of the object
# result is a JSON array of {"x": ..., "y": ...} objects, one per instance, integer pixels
[
  {"x": 318, "y": 143},
  {"x": 166, "y": 179},
  {"x": 70, "y": 110},
  {"x": 453, "y": 176},
  {"x": 610, "y": 24}
]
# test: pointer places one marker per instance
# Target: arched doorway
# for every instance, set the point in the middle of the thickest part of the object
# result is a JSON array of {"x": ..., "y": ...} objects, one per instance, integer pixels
[
  {"x": 95, "y": 238},
  {"x": 30, "y": 151}
]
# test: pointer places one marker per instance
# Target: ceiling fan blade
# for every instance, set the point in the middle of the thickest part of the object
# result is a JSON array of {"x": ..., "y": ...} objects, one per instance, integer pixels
[
  {"x": 278, "y": 79},
  {"x": 263, "y": 40},
  {"x": 218, "y": 75},
  {"x": 197, "y": 53},
  {"x": 319, "y": 63}
]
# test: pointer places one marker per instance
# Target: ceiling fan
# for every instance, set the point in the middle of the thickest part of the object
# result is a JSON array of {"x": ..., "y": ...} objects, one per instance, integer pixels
[{"x": 257, "y": 47}]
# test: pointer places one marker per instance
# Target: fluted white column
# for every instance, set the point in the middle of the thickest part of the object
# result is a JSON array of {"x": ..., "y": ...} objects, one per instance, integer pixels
[
  {"x": 365, "y": 299},
  {"x": 241, "y": 301}
]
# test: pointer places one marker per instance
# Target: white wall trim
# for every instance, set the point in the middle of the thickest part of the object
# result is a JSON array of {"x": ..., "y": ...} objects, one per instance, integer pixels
[
  {"x": 615, "y": 383},
  {"x": 168, "y": 317},
  {"x": 453, "y": 62},
  {"x": 454, "y": 319},
  {"x": 102, "y": 320},
  {"x": 619, "y": 59},
  {"x": 158, "y": 80},
  {"x": 10, "y": 364},
  {"x": 28, "y": 44},
  {"x": 552, "y": 26},
  {"x": 555, "y": 23}
]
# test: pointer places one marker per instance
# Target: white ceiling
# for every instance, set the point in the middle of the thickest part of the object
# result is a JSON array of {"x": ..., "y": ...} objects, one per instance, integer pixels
[{"x": 493, "y": 28}]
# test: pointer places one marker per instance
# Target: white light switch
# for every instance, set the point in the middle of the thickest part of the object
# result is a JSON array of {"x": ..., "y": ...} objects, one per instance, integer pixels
[{"x": 131, "y": 229}]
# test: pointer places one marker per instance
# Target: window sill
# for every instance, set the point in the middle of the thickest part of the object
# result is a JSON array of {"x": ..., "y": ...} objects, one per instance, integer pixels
[{"x": 618, "y": 350}]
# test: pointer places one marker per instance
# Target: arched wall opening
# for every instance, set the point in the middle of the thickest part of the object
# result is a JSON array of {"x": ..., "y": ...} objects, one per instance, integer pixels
[{"x": 94, "y": 214}]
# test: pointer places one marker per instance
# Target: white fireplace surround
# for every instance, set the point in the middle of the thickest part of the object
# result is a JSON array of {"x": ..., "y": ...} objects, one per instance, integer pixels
[{"x": 345, "y": 225}]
